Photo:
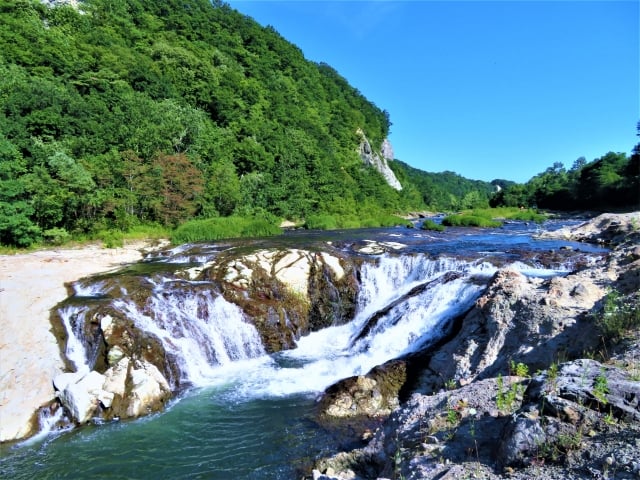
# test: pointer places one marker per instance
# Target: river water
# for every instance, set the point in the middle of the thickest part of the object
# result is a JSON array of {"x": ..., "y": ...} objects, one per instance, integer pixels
[{"x": 249, "y": 415}]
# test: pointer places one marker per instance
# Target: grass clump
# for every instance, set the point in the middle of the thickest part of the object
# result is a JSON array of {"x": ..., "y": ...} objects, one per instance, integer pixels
[
  {"x": 467, "y": 220},
  {"x": 619, "y": 317},
  {"x": 509, "y": 213},
  {"x": 334, "y": 222},
  {"x": 223, "y": 227},
  {"x": 431, "y": 225}
]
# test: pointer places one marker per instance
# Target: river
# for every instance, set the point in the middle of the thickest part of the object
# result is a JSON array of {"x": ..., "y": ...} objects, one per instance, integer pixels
[{"x": 249, "y": 415}]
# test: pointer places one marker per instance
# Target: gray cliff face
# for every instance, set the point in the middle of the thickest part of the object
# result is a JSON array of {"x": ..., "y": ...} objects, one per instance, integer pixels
[
  {"x": 56, "y": 3},
  {"x": 379, "y": 160}
]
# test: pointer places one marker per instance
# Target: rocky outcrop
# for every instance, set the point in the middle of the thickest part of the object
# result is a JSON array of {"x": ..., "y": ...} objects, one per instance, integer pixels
[
  {"x": 360, "y": 403},
  {"x": 518, "y": 319},
  {"x": 287, "y": 293},
  {"x": 131, "y": 369},
  {"x": 378, "y": 160},
  {"x": 563, "y": 406},
  {"x": 58, "y": 3},
  {"x": 469, "y": 417},
  {"x": 130, "y": 387}
]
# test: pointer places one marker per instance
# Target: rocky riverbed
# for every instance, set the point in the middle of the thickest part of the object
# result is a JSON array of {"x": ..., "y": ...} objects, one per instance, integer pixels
[{"x": 541, "y": 379}]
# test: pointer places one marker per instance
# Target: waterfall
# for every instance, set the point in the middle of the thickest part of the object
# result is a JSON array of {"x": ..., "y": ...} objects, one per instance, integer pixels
[
  {"x": 412, "y": 300},
  {"x": 89, "y": 289},
  {"x": 73, "y": 319},
  {"x": 405, "y": 302},
  {"x": 48, "y": 420},
  {"x": 198, "y": 328}
]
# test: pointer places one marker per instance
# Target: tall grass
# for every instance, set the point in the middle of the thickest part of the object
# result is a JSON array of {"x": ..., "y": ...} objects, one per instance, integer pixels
[
  {"x": 431, "y": 225},
  {"x": 467, "y": 220},
  {"x": 489, "y": 217},
  {"x": 334, "y": 222},
  {"x": 509, "y": 213},
  {"x": 223, "y": 227}
]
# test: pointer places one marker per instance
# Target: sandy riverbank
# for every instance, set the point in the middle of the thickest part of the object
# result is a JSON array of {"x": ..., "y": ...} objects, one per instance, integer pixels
[{"x": 31, "y": 285}]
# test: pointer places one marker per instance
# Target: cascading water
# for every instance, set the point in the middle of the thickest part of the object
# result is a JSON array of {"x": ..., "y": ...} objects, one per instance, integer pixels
[
  {"x": 326, "y": 356},
  {"x": 198, "y": 328},
  {"x": 73, "y": 319}
]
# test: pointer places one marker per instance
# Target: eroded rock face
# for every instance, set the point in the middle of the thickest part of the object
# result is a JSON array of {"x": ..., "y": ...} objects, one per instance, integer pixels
[
  {"x": 562, "y": 407},
  {"x": 518, "y": 319},
  {"x": 379, "y": 160},
  {"x": 287, "y": 293}
]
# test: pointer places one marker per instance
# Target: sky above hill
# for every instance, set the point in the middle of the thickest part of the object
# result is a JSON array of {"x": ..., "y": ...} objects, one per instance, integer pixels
[{"x": 500, "y": 89}]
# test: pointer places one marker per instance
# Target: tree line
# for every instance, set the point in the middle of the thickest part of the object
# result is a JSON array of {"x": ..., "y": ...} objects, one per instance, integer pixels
[{"x": 611, "y": 182}]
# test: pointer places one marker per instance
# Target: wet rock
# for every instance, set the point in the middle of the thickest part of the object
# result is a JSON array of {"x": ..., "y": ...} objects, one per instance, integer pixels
[
  {"x": 81, "y": 398},
  {"x": 287, "y": 293},
  {"x": 371, "y": 395},
  {"x": 116, "y": 377}
]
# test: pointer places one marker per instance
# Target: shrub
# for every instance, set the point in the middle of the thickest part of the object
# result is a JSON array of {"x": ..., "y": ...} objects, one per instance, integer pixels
[
  {"x": 321, "y": 222},
  {"x": 333, "y": 222},
  {"x": 466, "y": 220},
  {"x": 111, "y": 238},
  {"x": 56, "y": 236},
  {"x": 431, "y": 225},
  {"x": 618, "y": 317}
]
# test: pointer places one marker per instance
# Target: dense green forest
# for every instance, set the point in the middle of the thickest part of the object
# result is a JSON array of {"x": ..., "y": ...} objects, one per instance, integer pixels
[
  {"x": 445, "y": 190},
  {"x": 129, "y": 113},
  {"x": 139, "y": 111}
]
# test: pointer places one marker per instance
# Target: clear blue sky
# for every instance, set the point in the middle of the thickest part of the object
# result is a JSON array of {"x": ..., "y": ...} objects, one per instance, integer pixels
[{"x": 489, "y": 90}]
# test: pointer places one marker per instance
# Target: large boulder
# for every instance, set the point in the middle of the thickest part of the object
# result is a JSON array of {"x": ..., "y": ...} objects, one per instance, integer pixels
[
  {"x": 518, "y": 319},
  {"x": 287, "y": 293},
  {"x": 359, "y": 403},
  {"x": 149, "y": 391},
  {"x": 81, "y": 395}
]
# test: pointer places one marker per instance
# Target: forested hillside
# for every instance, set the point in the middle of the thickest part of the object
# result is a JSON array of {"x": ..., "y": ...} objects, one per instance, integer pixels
[
  {"x": 445, "y": 190},
  {"x": 136, "y": 111}
]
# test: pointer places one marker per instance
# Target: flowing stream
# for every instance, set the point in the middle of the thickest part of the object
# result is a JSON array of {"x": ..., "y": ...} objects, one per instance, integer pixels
[{"x": 249, "y": 415}]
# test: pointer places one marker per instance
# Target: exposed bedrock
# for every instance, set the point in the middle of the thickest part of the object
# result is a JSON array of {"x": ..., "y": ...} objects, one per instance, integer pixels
[{"x": 464, "y": 412}]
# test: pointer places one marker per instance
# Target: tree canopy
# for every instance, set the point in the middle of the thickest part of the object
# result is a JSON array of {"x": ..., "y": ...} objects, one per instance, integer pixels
[{"x": 128, "y": 111}]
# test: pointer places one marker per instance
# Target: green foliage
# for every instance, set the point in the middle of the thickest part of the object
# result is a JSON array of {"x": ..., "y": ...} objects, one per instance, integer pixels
[
  {"x": 143, "y": 112},
  {"x": 333, "y": 222},
  {"x": 509, "y": 213},
  {"x": 431, "y": 225},
  {"x": 111, "y": 238},
  {"x": 467, "y": 220},
  {"x": 507, "y": 397},
  {"x": 56, "y": 236},
  {"x": 618, "y": 317},
  {"x": 443, "y": 191},
  {"x": 519, "y": 369},
  {"x": 221, "y": 228},
  {"x": 601, "y": 388},
  {"x": 609, "y": 182}
]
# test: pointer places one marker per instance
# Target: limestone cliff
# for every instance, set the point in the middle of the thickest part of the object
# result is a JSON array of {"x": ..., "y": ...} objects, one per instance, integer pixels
[{"x": 378, "y": 160}]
